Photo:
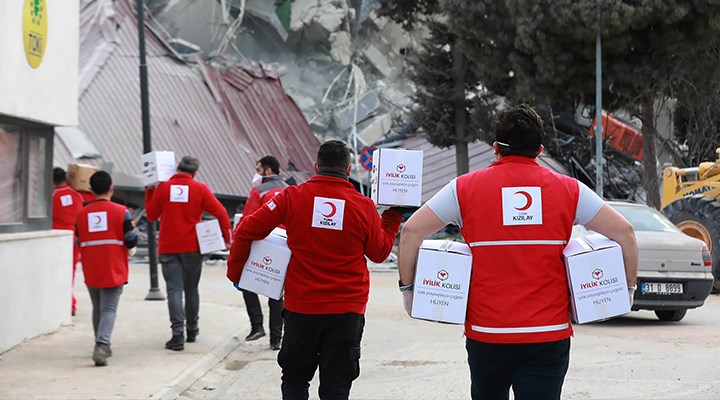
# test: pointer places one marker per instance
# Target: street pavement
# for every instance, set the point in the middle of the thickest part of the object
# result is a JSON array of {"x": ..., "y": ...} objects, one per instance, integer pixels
[{"x": 634, "y": 357}]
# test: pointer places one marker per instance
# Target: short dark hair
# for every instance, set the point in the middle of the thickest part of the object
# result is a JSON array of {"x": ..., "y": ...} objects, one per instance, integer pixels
[
  {"x": 270, "y": 162},
  {"x": 333, "y": 154},
  {"x": 100, "y": 182},
  {"x": 519, "y": 131},
  {"x": 59, "y": 176},
  {"x": 188, "y": 164}
]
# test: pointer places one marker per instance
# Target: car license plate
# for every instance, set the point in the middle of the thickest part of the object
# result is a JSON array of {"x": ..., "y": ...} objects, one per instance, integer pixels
[{"x": 662, "y": 288}]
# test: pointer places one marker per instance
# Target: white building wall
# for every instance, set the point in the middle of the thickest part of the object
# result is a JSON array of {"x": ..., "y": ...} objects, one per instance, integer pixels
[
  {"x": 36, "y": 271},
  {"x": 47, "y": 94}
]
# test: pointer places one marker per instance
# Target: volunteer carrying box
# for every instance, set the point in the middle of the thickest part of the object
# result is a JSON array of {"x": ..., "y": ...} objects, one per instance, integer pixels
[
  {"x": 157, "y": 166},
  {"x": 596, "y": 278},
  {"x": 397, "y": 177},
  {"x": 265, "y": 268},
  {"x": 210, "y": 236},
  {"x": 78, "y": 176},
  {"x": 442, "y": 281}
]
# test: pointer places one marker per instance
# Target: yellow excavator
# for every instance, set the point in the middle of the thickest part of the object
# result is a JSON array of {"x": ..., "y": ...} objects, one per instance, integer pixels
[{"x": 691, "y": 200}]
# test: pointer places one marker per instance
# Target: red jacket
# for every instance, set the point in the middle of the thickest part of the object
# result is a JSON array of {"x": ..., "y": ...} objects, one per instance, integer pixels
[
  {"x": 179, "y": 204},
  {"x": 517, "y": 233},
  {"x": 331, "y": 228},
  {"x": 66, "y": 204},
  {"x": 101, "y": 233}
]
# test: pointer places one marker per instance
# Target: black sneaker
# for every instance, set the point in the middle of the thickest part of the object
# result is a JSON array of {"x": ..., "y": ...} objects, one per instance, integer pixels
[
  {"x": 177, "y": 343},
  {"x": 255, "y": 334},
  {"x": 192, "y": 336},
  {"x": 101, "y": 354},
  {"x": 275, "y": 344}
]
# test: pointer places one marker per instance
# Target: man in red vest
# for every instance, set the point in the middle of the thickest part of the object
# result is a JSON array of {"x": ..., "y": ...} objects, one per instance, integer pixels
[
  {"x": 331, "y": 228},
  {"x": 105, "y": 232},
  {"x": 66, "y": 204},
  {"x": 517, "y": 217},
  {"x": 179, "y": 204}
]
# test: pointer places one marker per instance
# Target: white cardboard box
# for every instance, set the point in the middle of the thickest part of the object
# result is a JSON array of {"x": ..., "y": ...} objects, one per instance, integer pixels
[
  {"x": 157, "y": 166},
  {"x": 596, "y": 278},
  {"x": 265, "y": 268},
  {"x": 442, "y": 281},
  {"x": 397, "y": 177},
  {"x": 236, "y": 220},
  {"x": 210, "y": 236}
]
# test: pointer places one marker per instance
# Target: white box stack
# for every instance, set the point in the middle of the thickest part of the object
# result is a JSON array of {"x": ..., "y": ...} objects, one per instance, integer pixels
[
  {"x": 596, "y": 278},
  {"x": 397, "y": 177},
  {"x": 442, "y": 281},
  {"x": 210, "y": 236},
  {"x": 157, "y": 166},
  {"x": 265, "y": 269}
]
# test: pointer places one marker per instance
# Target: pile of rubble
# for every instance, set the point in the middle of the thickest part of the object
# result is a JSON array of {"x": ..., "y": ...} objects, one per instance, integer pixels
[{"x": 343, "y": 65}]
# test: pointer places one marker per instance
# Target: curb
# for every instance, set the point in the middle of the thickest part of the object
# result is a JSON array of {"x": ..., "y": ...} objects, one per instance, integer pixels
[{"x": 197, "y": 370}]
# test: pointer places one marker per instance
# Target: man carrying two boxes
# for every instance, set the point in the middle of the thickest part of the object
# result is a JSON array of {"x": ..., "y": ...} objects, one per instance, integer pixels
[{"x": 517, "y": 217}]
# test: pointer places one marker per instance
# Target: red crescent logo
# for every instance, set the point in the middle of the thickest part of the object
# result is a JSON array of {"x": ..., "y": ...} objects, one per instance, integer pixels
[
  {"x": 180, "y": 190},
  {"x": 528, "y": 200},
  {"x": 97, "y": 220},
  {"x": 331, "y": 213}
]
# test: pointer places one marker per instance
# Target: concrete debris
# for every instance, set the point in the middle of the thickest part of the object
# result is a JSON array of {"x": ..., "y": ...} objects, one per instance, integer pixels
[
  {"x": 313, "y": 56},
  {"x": 345, "y": 116},
  {"x": 375, "y": 129},
  {"x": 340, "y": 47}
]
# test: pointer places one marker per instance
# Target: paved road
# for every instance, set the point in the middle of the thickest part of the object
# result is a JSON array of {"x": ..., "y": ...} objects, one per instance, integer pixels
[{"x": 635, "y": 357}]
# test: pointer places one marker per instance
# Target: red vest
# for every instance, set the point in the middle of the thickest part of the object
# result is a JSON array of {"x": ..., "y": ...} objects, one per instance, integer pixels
[
  {"x": 66, "y": 204},
  {"x": 102, "y": 244},
  {"x": 517, "y": 218}
]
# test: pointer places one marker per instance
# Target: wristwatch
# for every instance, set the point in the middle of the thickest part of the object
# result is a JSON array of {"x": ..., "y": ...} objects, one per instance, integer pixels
[{"x": 405, "y": 288}]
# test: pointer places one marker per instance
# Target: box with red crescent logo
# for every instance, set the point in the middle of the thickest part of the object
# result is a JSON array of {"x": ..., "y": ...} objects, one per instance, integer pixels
[
  {"x": 265, "y": 268},
  {"x": 396, "y": 178},
  {"x": 442, "y": 281},
  {"x": 596, "y": 279},
  {"x": 157, "y": 166},
  {"x": 210, "y": 237}
]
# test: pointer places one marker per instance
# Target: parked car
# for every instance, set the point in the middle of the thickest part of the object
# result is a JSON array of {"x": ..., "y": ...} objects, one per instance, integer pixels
[{"x": 674, "y": 270}]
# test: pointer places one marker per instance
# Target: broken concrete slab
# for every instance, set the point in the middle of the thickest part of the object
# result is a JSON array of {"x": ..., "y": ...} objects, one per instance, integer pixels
[
  {"x": 376, "y": 129},
  {"x": 345, "y": 116},
  {"x": 317, "y": 19},
  {"x": 341, "y": 47}
]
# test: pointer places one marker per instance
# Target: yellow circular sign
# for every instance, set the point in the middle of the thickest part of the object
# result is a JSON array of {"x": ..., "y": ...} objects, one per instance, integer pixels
[{"x": 34, "y": 31}]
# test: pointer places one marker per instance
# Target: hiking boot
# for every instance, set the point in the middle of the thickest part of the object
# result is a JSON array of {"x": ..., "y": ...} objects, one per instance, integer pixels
[
  {"x": 275, "y": 343},
  {"x": 255, "y": 334},
  {"x": 192, "y": 335},
  {"x": 177, "y": 343},
  {"x": 101, "y": 354}
]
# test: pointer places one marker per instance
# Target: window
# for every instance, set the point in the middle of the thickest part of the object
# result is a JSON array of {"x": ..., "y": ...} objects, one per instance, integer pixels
[{"x": 25, "y": 177}]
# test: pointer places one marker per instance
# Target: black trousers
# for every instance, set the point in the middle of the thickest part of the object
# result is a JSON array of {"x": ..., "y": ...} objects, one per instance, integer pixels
[
  {"x": 534, "y": 370},
  {"x": 328, "y": 341},
  {"x": 252, "y": 305}
]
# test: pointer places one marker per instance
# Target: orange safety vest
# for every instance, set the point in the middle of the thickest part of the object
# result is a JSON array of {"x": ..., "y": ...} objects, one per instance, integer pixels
[
  {"x": 517, "y": 218},
  {"x": 102, "y": 244}
]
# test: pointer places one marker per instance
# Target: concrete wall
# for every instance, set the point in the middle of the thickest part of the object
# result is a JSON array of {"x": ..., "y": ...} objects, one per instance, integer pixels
[
  {"x": 35, "y": 280},
  {"x": 46, "y": 92}
]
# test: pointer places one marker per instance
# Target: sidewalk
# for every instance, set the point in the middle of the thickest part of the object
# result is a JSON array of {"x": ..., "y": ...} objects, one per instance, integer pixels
[{"x": 59, "y": 365}]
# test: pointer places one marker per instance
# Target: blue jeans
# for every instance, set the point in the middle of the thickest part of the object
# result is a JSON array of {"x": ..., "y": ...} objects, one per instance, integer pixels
[
  {"x": 534, "y": 370},
  {"x": 182, "y": 275}
]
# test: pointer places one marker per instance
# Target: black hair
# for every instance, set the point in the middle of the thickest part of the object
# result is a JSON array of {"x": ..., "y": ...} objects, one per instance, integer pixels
[
  {"x": 333, "y": 155},
  {"x": 519, "y": 131},
  {"x": 59, "y": 176},
  {"x": 270, "y": 162},
  {"x": 188, "y": 164},
  {"x": 100, "y": 182}
]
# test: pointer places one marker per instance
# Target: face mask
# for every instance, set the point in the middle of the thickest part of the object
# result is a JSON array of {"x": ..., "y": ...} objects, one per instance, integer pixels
[{"x": 257, "y": 179}]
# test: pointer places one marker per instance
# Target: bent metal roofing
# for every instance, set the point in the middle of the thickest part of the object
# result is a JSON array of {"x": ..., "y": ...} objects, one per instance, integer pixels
[{"x": 228, "y": 118}]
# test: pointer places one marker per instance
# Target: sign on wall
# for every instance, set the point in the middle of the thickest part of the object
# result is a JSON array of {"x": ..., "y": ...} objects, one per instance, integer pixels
[{"x": 34, "y": 31}]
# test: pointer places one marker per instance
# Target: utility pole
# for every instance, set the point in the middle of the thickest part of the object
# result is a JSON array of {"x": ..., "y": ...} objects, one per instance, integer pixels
[
  {"x": 154, "y": 293},
  {"x": 598, "y": 108}
]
